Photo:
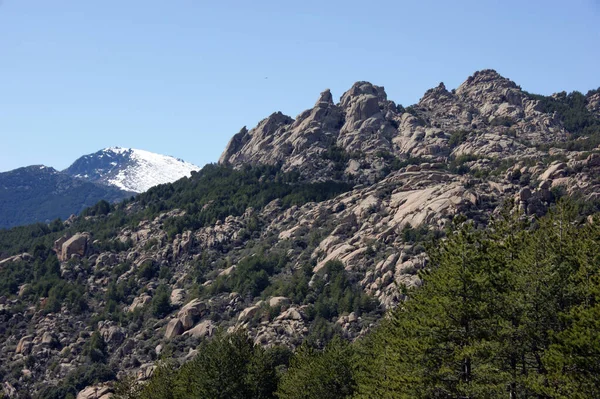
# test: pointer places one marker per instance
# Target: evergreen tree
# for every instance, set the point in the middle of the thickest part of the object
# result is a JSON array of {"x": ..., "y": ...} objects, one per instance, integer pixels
[{"x": 314, "y": 374}]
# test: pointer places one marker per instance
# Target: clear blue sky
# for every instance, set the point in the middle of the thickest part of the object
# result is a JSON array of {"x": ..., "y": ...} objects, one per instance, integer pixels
[{"x": 181, "y": 77}]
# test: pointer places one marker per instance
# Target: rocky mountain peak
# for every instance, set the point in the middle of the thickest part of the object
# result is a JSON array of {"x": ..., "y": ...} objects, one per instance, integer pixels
[
  {"x": 437, "y": 94},
  {"x": 325, "y": 99},
  {"x": 362, "y": 88},
  {"x": 489, "y": 86},
  {"x": 271, "y": 124}
]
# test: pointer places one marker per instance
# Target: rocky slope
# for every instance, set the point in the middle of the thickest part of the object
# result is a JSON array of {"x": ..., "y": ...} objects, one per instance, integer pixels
[
  {"x": 129, "y": 169},
  {"x": 158, "y": 274}
]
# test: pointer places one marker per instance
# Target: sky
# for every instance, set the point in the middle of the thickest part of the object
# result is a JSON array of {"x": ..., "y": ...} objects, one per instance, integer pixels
[{"x": 181, "y": 77}]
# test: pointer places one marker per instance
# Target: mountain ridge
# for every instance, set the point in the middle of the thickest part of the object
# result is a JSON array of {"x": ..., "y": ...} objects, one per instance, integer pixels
[
  {"x": 306, "y": 228},
  {"x": 39, "y": 193}
]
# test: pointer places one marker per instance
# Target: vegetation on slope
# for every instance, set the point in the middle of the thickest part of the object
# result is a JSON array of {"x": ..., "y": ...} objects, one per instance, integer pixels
[{"x": 512, "y": 310}]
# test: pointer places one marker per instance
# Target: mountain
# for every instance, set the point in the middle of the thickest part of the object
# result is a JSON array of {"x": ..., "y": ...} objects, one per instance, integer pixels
[
  {"x": 129, "y": 169},
  {"x": 41, "y": 194},
  {"x": 317, "y": 226}
]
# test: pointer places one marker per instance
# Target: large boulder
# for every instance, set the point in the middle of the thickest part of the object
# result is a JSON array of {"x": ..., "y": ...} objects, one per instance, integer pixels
[
  {"x": 203, "y": 329},
  {"x": 177, "y": 296},
  {"x": 191, "y": 312},
  {"x": 25, "y": 344},
  {"x": 248, "y": 313},
  {"x": 279, "y": 301},
  {"x": 76, "y": 245},
  {"x": 96, "y": 392},
  {"x": 174, "y": 328},
  {"x": 140, "y": 302}
]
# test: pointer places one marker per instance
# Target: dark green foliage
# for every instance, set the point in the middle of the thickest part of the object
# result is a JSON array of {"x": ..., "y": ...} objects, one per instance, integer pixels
[
  {"x": 227, "y": 366},
  {"x": 336, "y": 294},
  {"x": 161, "y": 302},
  {"x": 458, "y": 164},
  {"x": 45, "y": 281},
  {"x": 78, "y": 379},
  {"x": 314, "y": 374},
  {"x": 339, "y": 155},
  {"x": 576, "y": 118},
  {"x": 96, "y": 349},
  {"x": 458, "y": 137},
  {"x": 148, "y": 270},
  {"x": 251, "y": 275},
  {"x": 101, "y": 208},
  {"x": 502, "y": 121},
  {"x": 209, "y": 195},
  {"x": 217, "y": 192},
  {"x": 396, "y": 163},
  {"x": 510, "y": 311},
  {"x": 422, "y": 233}
]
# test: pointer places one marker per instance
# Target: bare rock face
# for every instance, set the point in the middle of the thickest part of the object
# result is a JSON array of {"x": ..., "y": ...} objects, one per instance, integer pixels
[
  {"x": 593, "y": 103},
  {"x": 496, "y": 118},
  {"x": 189, "y": 314}
]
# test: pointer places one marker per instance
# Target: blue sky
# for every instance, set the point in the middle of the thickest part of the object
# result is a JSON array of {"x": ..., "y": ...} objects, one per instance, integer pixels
[{"x": 181, "y": 77}]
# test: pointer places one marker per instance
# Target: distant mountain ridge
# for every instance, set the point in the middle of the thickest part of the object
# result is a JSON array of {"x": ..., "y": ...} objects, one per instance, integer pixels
[{"x": 40, "y": 193}]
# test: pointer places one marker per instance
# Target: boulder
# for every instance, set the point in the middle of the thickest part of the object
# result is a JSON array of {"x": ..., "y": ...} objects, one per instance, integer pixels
[
  {"x": 248, "y": 313},
  {"x": 48, "y": 339},
  {"x": 76, "y": 245},
  {"x": 557, "y": 169},
  {"x": 290, "y": 314},
  {"x": 174, "y": 328},
  {"x": 593, "y": 160},
  {"x": 96, "y": 392},
  {"x": 177, "y": 297},
  {"x": 191, "y": 312},
  {"x": 114, "y": 335},
  {"x": 279, "y": 301},
  {"x": 524, "y": 194},
  {"x": 145, "y": 371},
  {"x": 201, "y": 330},
  {"x": 140, "y": 302},
  {"x": 25, "y": 344}
]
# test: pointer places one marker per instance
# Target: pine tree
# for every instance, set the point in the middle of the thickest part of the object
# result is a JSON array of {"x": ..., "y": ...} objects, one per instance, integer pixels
[{"x": 315, "y": 374}]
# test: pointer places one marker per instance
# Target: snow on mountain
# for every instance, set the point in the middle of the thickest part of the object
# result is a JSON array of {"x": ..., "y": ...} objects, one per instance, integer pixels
[{"x": 130, "y": 169}]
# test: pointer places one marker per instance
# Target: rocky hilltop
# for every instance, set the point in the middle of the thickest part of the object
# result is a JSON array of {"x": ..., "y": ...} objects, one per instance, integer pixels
[
  {"x": 488, "y": 116},
  {"x": 307, "y": 227}
]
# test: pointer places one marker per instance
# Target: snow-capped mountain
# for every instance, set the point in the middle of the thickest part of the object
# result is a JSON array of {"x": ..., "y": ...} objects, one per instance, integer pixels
[{"x": 130, "y": 169}]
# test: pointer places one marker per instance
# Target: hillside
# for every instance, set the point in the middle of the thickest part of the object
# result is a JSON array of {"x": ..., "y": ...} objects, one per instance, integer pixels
[
  {"x": 42, "y": 194},
  {"x": 307, "y": 228}
]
